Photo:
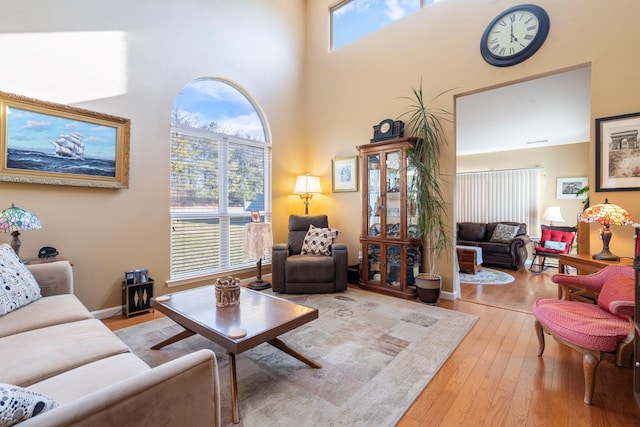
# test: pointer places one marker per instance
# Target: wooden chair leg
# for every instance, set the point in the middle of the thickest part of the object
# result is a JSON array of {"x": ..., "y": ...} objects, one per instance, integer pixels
[
  {"x": 537, "y": 263},
  {"x": 540, "y": 334},
  {"x": 590, "y": 363},
  {"x": 543, "y": 266}
]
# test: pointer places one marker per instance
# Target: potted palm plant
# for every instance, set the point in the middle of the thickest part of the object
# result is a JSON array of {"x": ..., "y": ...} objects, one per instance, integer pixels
[{"x": 426, "y": 184}]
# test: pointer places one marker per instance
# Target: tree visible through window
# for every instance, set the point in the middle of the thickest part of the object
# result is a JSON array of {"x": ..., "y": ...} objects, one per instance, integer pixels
[{"x": 220, "y": 172}]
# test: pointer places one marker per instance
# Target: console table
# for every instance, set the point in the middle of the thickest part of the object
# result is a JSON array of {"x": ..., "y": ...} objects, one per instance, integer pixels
[{"x": 585, "y": 264}]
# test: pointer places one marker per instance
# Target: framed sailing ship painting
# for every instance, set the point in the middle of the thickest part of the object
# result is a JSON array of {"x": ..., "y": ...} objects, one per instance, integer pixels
[{"x": 46, "y": 143}]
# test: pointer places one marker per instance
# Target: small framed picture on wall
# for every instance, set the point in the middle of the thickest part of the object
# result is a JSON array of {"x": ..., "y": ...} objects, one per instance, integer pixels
[
  {"x": 568, "y": 188},
  {"x": 345, "y": 174}
]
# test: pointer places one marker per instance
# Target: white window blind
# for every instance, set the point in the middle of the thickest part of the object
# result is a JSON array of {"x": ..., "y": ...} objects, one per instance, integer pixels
[
  {"x": 216, "y": 181},
  {"x": 505, "y": 195}
]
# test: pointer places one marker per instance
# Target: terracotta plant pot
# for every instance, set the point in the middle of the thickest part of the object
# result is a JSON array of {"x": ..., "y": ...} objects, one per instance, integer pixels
[{"x": 428, "y": 286}]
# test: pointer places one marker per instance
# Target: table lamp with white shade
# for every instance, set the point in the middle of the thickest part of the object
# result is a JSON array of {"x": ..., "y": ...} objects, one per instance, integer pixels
[{"x": 552, "y": 214}]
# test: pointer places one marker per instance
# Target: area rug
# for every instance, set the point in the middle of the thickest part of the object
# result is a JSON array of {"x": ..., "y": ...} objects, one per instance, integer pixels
[
  {"x": 487, "y": 276},
  {"x": 377, "y": 354}
]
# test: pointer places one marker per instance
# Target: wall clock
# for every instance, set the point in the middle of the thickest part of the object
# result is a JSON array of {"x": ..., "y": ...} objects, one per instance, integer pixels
[{"x": 514, "y": 35}]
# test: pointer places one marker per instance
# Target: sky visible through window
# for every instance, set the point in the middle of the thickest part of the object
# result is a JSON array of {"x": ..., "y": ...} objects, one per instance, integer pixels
[
  {"x": 358, "y": 18},
  {"x": 206, "y": 101}
]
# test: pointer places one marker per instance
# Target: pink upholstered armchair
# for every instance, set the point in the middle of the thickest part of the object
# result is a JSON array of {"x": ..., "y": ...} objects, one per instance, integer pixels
[{"x": 602, "y": 331}]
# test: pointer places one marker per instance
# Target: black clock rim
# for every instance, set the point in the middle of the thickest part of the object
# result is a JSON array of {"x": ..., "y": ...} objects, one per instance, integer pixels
[{"x": 538, "y": 41}]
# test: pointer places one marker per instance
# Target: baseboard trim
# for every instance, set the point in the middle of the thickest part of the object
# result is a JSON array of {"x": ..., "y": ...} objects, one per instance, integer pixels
[{"x": 106, "y": 313}]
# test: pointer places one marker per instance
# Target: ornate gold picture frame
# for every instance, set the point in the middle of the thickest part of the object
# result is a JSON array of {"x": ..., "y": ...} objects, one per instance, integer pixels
[{"x": 46, "y": 143}]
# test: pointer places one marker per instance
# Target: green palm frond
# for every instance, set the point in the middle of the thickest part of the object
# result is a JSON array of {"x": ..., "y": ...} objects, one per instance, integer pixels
[{"x": 427, "y": 126}]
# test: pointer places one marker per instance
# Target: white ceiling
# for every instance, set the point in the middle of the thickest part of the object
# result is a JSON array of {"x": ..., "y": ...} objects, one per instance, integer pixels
[{"x": 551, "y": 110}]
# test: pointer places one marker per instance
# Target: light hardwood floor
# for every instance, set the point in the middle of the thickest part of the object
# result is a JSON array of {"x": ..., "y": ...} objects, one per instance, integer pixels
[{"x": 495, "y": 377}]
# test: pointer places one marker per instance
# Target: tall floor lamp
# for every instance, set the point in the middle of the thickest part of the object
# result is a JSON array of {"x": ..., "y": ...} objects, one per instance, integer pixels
[
  {"x": 14, "y": 220},
  {"x": 606, "y": 214},
  {"x": 306, "y": 186}
]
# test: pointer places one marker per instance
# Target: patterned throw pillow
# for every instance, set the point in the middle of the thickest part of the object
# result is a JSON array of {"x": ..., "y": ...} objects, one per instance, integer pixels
[
  {"x": 504, "y": 233},
  {"x": 319, "y": 240},
  {"x": 18, "y": 287},
  {"x": 18, "y": 404}
]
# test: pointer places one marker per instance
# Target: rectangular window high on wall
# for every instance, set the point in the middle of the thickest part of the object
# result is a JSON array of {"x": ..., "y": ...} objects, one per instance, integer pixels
[
  {"x": 216, "y": 181},
  {"x": 504, "y": 195},
  {"x": 353, "y": 19}
]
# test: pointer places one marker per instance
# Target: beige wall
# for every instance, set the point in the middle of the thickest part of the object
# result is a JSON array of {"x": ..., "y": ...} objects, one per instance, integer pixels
[
  {"x": 319, "y": 104},
  {"x": 564, "y": 161},
  {"x": 152, "y": 49},
  {"x": 349, "y": 90}
]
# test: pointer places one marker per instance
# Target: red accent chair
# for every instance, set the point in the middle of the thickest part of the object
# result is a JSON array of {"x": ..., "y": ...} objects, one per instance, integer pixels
[
  {"x": 602, "y": 331},
  {"x": 553, "y": 242}
]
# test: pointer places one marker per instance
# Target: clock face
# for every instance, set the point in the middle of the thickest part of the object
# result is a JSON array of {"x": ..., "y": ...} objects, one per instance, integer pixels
[
  {"x": 514, "y": 35},
  {"x": 385, "y": 127}
]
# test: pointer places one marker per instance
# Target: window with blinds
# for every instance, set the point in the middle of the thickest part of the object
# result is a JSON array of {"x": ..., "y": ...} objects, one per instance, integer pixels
[
  {"x": 217, "y": 179},
  {"x": 503, "y": 195}
]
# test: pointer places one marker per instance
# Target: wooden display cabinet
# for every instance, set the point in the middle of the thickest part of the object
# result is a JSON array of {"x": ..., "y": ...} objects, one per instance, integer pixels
[{"x": 390, "y": 247}]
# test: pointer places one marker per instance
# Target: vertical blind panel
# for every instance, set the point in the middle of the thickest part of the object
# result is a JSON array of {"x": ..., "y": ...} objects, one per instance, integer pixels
[{"x": 494, "y": 196}]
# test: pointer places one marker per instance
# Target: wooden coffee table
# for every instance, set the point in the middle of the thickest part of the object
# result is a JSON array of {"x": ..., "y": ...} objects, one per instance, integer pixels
[{"x": 264, "y": 317}]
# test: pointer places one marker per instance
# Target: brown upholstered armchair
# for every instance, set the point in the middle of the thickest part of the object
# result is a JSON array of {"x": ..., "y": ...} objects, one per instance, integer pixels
[{"x": 294, "y": 273}]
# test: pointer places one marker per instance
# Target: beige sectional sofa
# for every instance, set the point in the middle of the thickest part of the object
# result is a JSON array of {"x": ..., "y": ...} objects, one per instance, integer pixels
[{"x": 54, "y": 346}]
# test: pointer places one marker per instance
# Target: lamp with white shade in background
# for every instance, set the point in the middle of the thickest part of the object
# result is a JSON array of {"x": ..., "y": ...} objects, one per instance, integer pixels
[
  {"x": 306, "y": 186},
  {"x": 606, "y": 214},
  {"x": 551, "y": 214},
  {"x": 14, "y": 220}
]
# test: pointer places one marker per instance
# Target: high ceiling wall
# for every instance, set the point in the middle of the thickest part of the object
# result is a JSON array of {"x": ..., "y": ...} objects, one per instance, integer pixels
[{"x": 349, "y": 90}]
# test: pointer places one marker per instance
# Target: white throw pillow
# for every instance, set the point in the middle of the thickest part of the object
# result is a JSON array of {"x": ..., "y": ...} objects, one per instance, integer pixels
[
  {"x": 18, "y": 287},
  {"x": 504, "y": 233},
  {"x": 319, "y": 240},
  {"x": 18, "y": 404}
]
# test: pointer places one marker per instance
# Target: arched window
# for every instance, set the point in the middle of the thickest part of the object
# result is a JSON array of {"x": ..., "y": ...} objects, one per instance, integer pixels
[{"x": 220, "y": 172}]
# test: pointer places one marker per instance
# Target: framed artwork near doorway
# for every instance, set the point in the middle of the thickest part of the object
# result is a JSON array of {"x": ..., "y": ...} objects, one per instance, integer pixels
[{"x": 618, "y": 153}]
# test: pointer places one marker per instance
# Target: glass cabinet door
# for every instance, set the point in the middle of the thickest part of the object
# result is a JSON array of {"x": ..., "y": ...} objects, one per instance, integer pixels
[
  {"x": 374, "y": 262},
  {"x": 413, "y": 231},
  {"x": 393, "y": 266},
  {"x": 374, "y": 196},
  {"x": 392, "y": 183}
]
